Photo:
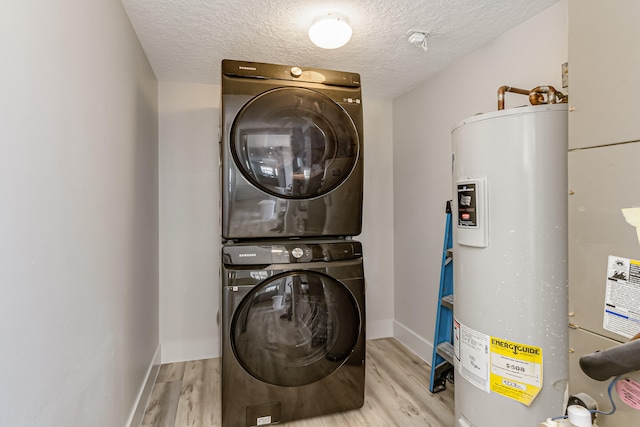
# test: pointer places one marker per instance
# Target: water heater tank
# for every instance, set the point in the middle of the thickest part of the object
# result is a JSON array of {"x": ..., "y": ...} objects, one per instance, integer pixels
[{"x": 510, "y": 268}]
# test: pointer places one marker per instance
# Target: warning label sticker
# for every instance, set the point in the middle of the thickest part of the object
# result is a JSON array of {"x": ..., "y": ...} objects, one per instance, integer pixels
[
  {"x": 467, "y": 205},
  {"x": 622, "y": 297},
  {"x": 629, "y": 392},
  {"x": 471, "y": 350},
  {"x": 516, "y": 370}
]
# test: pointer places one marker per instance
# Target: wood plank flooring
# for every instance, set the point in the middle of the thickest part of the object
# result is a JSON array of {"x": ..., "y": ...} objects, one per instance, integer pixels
[{"x": 187, "y": 394}]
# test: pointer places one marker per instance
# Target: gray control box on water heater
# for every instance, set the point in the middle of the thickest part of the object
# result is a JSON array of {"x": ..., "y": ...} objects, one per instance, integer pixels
[{"x": 472, "y": 213}]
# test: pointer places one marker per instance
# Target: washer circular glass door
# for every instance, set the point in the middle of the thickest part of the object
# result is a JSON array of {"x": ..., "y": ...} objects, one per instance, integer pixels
[
  {"x": 294, "y": 143},
  {"x": 295, "y": 328}
]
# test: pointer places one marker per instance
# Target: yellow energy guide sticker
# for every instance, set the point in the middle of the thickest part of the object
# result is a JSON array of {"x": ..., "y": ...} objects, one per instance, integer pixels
[{"x": 516, "y": 370}]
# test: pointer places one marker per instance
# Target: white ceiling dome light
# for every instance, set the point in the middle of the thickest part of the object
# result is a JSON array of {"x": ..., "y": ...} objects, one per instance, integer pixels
[{"x": 330, "y": 31}]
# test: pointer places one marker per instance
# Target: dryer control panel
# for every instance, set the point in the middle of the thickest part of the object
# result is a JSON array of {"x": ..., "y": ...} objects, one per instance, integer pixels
[{"x": 258, "y": 70}]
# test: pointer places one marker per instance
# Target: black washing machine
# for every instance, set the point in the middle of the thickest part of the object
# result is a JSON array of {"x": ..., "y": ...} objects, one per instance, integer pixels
[
  {"x": 293, "y": 331},
  {"x": 291, "y": 152}
]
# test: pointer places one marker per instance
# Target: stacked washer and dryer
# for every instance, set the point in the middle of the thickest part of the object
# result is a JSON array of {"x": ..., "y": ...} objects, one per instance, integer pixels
[{"x": 293, "y": 302}]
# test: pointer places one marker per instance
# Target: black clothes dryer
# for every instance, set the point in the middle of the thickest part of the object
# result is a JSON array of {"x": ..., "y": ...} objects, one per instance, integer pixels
[
  {"x": 291, "y": 152},
  {"x": 293, "y": 331}
]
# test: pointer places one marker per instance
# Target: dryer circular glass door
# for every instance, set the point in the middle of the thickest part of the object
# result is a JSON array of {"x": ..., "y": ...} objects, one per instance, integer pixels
[
  {"x": 295, "y": 328},
  {"x": 294, "y": 143}
]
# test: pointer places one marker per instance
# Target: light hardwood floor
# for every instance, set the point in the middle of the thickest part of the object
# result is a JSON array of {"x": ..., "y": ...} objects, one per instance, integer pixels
[{"x": 187, "y": 394}]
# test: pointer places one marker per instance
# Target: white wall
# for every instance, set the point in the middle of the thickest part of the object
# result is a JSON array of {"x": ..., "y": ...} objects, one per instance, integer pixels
[
  {"x": 189, "y": 220},
  {"x": 377, "y": 218},
  {"x": 527, "y": 56},
  {"x": 78, "y": 214}
]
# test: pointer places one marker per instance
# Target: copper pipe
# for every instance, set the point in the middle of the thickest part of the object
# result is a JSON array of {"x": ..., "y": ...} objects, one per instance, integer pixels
[
  {"x": 536, "y": 95},
  {"x": 503, "y": 89}
]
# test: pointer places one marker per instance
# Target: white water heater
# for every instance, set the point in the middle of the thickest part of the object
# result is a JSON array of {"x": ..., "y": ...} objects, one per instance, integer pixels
[{"x": 510, "y": 266}]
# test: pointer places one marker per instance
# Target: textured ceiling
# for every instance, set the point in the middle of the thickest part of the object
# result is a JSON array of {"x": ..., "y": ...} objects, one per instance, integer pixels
[{"x": 185, "y": 40}]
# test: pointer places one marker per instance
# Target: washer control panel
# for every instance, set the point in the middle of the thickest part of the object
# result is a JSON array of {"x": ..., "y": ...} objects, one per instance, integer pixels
[{"x": 289, "y": 252}]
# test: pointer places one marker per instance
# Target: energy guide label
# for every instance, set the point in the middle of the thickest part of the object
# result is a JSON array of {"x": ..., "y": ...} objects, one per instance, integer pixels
[{"x": 516, "y": 370}]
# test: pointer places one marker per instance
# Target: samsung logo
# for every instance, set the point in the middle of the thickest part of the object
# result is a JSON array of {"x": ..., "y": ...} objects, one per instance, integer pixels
[
  {"x": 242, "y": 67},
  {"x": 246, "y": 255}
]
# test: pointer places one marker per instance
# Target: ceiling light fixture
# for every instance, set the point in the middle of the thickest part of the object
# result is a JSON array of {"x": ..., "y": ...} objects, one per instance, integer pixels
[
  {"x": 419, "y": 38},
  {"x": 330, "y": 31}
]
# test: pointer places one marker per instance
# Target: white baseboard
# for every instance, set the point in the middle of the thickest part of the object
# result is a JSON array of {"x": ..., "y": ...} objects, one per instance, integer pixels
[
  {"x": 142, "y": 400},
  {"x": 379, "y": 329},
  {"x": 414, "y": 342},
  {"x": 181, "y": 351}
]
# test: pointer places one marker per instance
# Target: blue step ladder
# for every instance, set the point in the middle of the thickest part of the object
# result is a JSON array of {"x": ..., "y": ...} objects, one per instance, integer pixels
[{"x": 442, "y": 359}]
